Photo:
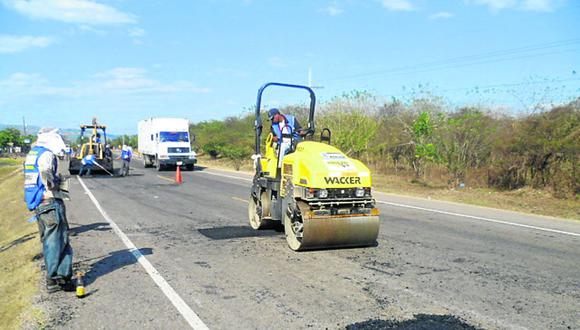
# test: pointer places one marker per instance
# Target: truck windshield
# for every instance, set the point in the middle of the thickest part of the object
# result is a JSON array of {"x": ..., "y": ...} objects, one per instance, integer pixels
[{"x": 174, "y": 137}]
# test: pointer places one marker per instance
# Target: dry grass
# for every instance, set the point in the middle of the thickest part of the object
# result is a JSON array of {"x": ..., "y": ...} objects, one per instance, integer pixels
[
  {"x": 11, "y": 161},
  {"x": 525, "y": 200},
  {"x": 224, "y": 164},
  {"x": 19, "y": 244}
]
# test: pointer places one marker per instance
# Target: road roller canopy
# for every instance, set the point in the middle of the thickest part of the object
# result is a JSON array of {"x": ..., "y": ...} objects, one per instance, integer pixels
[{"x": 258, "y": 123}]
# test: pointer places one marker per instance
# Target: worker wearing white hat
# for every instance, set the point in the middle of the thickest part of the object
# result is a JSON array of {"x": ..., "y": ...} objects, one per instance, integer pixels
[{"x": 44, "y": 192}]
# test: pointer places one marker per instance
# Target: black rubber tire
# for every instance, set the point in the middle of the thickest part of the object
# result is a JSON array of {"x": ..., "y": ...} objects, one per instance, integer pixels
[
  {"x": 257, "y": 221},
  {"x": 158, "y": 165},
  {"x": 294, "y": 242}
]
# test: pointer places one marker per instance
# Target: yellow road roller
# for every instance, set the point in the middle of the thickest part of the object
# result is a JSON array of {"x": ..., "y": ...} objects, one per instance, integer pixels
[
  {"x": 321, "y": 197},
  {"x": 96, "y": 144}
]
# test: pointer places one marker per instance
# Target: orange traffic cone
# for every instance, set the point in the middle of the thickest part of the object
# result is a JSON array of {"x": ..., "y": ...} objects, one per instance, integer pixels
[{"x": 178, "y": 178}]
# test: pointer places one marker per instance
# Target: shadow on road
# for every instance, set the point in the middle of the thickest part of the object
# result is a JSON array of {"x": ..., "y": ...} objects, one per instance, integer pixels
[
  {"x": 228, "y": 232},
  {"x": 97, "y": 226},
  {"x": 112, "y": 262},
  {"x": 419, "y": 322}
]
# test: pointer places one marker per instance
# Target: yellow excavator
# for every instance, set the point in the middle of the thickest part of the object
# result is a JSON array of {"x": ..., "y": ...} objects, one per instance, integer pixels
[
  {"x": 320, "y": 196},
  {"x": 96, "y": 144}
]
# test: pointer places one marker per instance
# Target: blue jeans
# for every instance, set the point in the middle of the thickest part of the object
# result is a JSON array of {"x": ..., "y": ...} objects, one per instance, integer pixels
[
  {"x": 125, "y": 168},
  {"x": 87, "y": 168},
  {"x": 53, "y": 228}
]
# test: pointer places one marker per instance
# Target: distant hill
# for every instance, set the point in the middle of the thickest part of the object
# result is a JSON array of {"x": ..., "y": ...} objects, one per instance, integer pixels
[
  {"x": 69, "y": 133},
  {"x": 29, "y": 129}
]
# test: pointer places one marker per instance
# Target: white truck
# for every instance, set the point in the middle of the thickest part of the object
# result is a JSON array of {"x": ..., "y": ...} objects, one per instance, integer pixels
[{"x": 165, "y": 142}]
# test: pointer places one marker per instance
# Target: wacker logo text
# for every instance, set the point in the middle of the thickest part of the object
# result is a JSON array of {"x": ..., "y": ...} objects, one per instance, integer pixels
[{"x": 342, "y": 180}]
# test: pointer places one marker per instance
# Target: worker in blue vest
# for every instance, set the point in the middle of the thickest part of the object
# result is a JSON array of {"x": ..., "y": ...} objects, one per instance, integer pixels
[
  {"x": 126, "y": 155},
  {"x": 284, "y": 123},
  {"x": 87, "y": 164},
  {"x": 44, "y": 194}
]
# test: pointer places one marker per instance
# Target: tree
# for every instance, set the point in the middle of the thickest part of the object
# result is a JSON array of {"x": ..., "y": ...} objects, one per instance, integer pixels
[
  {"x": 10, "y": 136},
  {"x": 352, "y": 120},
  {"x": 236, "y": 153},
  {"x": 465, "y": 141},
  {"x": 425, "y": 150},
  {"x": 130, "y": 140}
]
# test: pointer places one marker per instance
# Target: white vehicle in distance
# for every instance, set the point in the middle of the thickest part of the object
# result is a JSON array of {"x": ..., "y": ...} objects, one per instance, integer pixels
[{"x": 165, "y": 142}]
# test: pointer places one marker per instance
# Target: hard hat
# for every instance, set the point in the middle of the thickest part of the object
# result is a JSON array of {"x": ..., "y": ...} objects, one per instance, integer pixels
[{"x": 272, "y": 112}]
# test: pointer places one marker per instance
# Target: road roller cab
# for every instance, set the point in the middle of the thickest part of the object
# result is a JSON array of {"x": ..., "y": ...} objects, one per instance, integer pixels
[{"x": 321, "y": 197}]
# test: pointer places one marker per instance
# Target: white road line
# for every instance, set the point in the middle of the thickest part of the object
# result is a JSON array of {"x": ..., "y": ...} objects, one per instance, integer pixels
[
  {"x": 226, "y": 176},
  {"x": 188, "y": 314},
  {"x": 445, "y": 212},
  {"x": 482, "y": 219}
]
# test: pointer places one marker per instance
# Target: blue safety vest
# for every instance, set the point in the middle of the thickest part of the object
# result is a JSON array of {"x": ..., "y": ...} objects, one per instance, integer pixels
[
  {"x": 88, "y": 160},
  {"x": 33, "y": 187},
  {"x": 290, "y": 123},
  {"x": 126, "y": 154}
]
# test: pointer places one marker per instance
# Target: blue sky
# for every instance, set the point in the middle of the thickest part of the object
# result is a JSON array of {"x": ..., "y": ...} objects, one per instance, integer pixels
[{"x": 64, "y": 61}]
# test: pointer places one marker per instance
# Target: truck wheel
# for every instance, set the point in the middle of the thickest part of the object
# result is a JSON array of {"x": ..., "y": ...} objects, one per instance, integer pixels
[{"x": 147, "y": 162}]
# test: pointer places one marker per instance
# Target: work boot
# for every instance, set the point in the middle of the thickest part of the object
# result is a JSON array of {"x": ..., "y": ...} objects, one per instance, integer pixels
[
  {"x": 66, "y": 284},
  {"x": 52, "y": 286}
]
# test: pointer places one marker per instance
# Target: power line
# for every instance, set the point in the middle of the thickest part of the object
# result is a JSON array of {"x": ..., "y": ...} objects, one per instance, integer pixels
[
  {"x": 468, "y": 59},
  {"x": 542, "y": 82},
  {"x": 490, "y": 61}
]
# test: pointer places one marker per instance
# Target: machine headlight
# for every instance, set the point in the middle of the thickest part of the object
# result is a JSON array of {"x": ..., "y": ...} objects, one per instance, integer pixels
[
  {"x": 192, "y": 156},
  {"x": 322, "y": 193},
  {"x": 163, "y": 157},
  {"x": 359, "y": 192},
  {"x": 310, "y": 193}
]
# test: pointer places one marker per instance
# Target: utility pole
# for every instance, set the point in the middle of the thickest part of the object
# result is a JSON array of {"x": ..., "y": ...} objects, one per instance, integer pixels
[
  {"x": 24, "y": 126},
  {"x": 310, "y": 80}
]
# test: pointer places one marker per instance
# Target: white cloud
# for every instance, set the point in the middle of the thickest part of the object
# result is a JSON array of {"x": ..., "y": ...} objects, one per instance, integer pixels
[
  {"x": 71, "y": 11},
  {"x": 116, "y": 81},
  {"x": 398, "y": 5},
  {"x": 539, "y": 5},
  {"x": 497, "y": 4},
  {"x": 91, "y": 29},
  {"x": 16, "y": 44},
  {"x": 441, "y": 15},
  {"x": 19, "y": 84},
  {"x": 137, "y": 32},
  {"x": 19, "y": 79},
  {"x": 276, "y": 62},
  {"x": 135, "y": 80},
  {"x": 526, "y": 5},
  {"x": 332, "y": 10}
]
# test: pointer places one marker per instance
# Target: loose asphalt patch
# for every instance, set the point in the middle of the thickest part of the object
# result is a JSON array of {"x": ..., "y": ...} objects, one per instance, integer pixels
[{"x": 419, "y": 322}]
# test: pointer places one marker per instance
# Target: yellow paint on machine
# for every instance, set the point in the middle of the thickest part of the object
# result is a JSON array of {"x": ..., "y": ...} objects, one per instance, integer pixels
[{"x": 319, "y": 165}]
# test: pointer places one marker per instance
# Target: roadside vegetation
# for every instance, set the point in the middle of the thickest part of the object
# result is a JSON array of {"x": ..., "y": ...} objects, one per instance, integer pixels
[
  {"x": 19, "y": 247},
  {"x": 422, "y": 146},
  {"x": 13, "y": 141}
]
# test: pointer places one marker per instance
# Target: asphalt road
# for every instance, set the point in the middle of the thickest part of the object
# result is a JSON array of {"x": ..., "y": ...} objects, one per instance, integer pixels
[{"x": 436, "y": 264}]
